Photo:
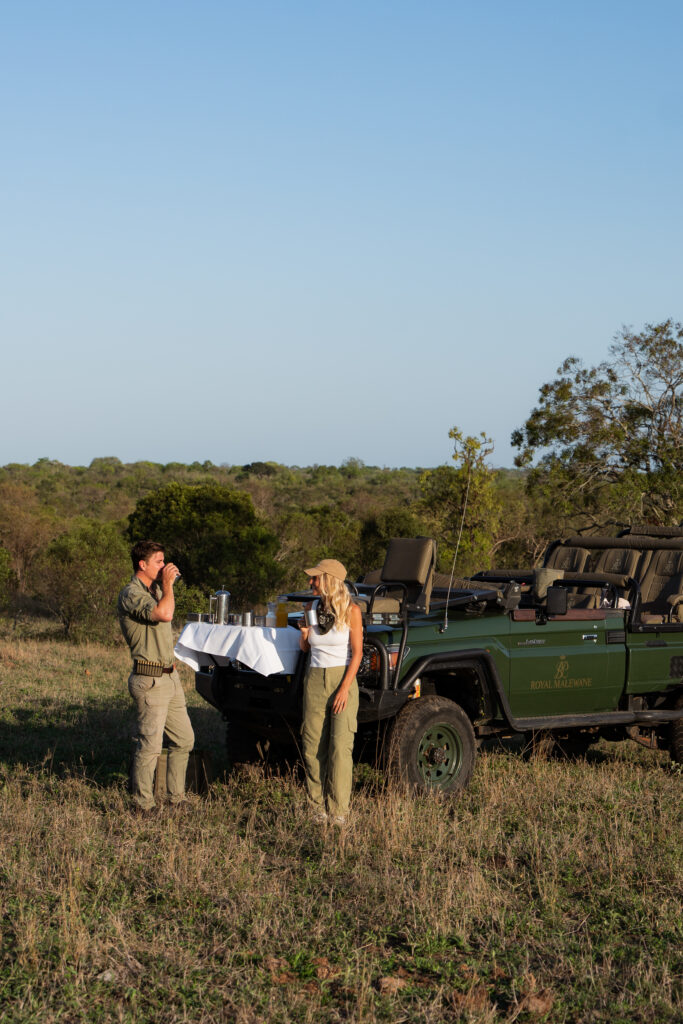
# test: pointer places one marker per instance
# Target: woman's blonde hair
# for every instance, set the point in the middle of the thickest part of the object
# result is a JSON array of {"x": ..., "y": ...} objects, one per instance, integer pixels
[{"x": 335, "y": 598}]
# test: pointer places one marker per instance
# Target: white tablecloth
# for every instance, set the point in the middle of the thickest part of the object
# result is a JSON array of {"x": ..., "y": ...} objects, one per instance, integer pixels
[{"x": 262, "y": 648}]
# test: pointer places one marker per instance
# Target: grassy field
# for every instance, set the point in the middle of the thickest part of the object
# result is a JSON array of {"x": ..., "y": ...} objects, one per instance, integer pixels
[{"x": 548, "y": 892}]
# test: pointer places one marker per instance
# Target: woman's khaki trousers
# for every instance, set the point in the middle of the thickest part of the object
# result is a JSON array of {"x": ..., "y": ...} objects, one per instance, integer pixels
[{"x": 328, "y": 740}]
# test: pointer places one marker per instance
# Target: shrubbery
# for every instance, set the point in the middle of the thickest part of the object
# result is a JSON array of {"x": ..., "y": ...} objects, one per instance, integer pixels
[
  {"x": 78, "y": 577},
  {"x": 602, "y": 449}
]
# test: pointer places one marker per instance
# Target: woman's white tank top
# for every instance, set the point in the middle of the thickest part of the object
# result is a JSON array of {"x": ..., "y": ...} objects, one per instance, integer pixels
[{"x": 330, "y": 649}]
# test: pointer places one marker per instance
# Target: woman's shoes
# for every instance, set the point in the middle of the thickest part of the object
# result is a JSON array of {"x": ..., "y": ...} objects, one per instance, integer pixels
[{"x": 320, "y": 817}]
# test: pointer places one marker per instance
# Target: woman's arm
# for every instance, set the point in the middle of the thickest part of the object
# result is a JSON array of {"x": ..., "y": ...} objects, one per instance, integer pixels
[
  {"x": 356, "y": 630},
  {"x": 304, "y": 631}
]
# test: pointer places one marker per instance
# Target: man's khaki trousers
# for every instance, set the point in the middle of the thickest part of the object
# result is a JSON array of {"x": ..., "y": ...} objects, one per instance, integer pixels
[
  {"x": 161, "y": 709},
  {"x": 328, "y": 740}
]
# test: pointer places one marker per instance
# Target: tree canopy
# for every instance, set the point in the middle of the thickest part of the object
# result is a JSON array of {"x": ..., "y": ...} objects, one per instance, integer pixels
[
  {"x": 609, "y": 439},
  {"x": 461, "y": 503},
  {"x": 602, "y": 448},
  {"x": 79, "y": 574},
  {"x": 213, "y": 534}
]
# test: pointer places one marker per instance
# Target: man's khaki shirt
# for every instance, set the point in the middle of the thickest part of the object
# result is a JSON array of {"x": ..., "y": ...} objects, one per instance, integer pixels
[{"x": 148, "y": 640}]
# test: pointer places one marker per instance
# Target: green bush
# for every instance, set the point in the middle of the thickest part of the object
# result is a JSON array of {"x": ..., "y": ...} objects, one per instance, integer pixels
[
  {"x": 78, "y": 578},
  {"x": 213, "y": 534}
]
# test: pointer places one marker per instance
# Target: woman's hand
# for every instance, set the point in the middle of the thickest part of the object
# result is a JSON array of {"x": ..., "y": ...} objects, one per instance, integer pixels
[
  {"x": 303, "y": 637},
  {"x": 304, "y": 630},
  {"x": 341, "y": 698}
]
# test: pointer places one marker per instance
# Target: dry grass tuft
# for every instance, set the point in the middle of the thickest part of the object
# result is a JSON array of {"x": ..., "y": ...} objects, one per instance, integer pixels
[{"x": 548, "y": 892}]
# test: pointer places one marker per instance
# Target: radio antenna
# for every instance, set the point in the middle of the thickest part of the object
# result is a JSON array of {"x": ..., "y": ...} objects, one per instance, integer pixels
[{"x": 444, "y": 626}]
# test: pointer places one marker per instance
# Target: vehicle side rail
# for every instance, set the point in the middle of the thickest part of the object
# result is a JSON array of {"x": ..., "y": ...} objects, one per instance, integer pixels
[
  {"x": 462, "y": 598},
  {"x": 525, "y": 576},
  {"x": 451, "y": 659},
  {"x": 595, "y": 579},
  {"x": 571, "y": 615}
]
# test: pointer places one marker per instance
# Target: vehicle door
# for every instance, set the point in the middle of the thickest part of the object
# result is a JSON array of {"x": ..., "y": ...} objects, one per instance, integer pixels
[
  {"x": 655, "y": 658},
  {"x": 568, "y": 665}
]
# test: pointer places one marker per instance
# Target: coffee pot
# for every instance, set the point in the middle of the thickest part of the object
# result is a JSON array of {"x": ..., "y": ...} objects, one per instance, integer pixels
[{"x": 221, "y": 600}]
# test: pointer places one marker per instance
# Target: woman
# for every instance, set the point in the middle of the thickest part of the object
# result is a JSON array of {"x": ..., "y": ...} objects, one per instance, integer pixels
[{"x": 331, "y": 691}]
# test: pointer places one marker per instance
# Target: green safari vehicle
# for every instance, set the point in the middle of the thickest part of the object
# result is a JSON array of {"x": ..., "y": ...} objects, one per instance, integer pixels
[{"x": 590, "y": 645}]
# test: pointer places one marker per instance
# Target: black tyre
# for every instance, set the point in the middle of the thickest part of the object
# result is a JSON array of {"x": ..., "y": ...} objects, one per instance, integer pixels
[
  {"x": 432, "y": 745},
  {"x": 676, "y": 742}
]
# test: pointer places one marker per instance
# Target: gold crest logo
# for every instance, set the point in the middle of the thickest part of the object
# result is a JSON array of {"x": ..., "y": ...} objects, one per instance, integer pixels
[{"x": 562, "y": 669}]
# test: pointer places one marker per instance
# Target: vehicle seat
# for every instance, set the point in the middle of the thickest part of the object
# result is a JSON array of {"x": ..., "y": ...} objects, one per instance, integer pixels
[
  {"x": 661, "y": 591},
  {"x": 564, "y": 558},
  {"x": 389, "y": 602},
  {"x": 568, "y": 558},
  {"x": 409, "y": 561},
  {"x": 544, "y": 578},
  {"x": 611, "y": 561},
  {"x": 620, "y": 561}
]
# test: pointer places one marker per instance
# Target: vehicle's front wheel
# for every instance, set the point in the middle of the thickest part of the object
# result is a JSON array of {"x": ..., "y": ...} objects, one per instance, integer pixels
[
  {"x": 432, "y": 744},
  {"x": 676, "y": 744}
]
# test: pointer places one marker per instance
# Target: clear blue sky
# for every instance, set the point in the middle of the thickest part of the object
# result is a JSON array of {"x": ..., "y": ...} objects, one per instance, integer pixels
[{"x": 307, "y": 231}]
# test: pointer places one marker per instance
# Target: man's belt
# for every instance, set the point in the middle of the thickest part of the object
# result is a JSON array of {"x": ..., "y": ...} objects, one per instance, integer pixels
[{"x": 150, "y": 668}]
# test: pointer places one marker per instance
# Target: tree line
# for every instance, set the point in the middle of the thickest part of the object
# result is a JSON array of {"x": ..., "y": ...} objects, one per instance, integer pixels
[{"x": 602, "y": 449}]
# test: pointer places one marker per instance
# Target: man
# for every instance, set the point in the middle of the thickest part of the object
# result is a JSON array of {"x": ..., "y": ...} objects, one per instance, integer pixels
[{"x": 145, "y": 609}]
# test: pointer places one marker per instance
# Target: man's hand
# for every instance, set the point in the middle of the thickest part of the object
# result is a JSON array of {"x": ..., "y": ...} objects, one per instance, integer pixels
[
  {"x": 169, "y": 574},
  {"x": 166, "y": 606}
]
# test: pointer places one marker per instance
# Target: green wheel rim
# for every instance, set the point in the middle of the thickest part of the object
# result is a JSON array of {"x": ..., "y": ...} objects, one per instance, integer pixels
[{"x": 439, "y": 756}]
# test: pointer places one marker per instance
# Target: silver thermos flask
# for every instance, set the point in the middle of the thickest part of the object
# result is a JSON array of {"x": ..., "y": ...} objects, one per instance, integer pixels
[{"x": 221, "y": 600}]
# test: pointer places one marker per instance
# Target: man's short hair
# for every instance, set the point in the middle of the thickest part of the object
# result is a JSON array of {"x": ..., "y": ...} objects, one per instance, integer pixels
[{"x": 142, "y": 550}]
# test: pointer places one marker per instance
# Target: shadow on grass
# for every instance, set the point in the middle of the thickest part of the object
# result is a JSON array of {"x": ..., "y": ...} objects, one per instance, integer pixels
[
  {"x": 94, "y": 740},
  {"x": 522, "y": 746}
]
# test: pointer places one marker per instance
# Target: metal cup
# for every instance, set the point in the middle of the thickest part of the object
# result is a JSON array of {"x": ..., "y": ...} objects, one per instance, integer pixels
[
  {"x": 246, "y": 619},
  {"x": 311, "y": 617}
]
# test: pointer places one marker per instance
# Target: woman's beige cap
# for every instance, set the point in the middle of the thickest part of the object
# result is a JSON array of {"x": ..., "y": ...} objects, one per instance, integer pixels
[{"x": 329, "y": 565}]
